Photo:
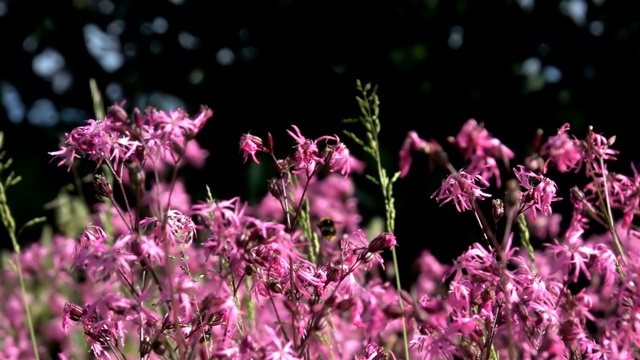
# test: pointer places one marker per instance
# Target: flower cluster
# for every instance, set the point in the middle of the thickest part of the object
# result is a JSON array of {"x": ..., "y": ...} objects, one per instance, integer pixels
[
  {"x": 164, "y": 278},
  {"x": 297, "y": 276}
]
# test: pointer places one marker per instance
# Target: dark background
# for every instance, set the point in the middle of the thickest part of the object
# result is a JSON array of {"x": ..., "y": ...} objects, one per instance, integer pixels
[{"x": 514, "y": 65}]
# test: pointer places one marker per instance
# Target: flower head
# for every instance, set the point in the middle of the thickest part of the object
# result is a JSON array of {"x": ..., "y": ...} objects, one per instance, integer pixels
[
  {"x": 249, "y": 146},
  {"x": 461, "y": 188}
]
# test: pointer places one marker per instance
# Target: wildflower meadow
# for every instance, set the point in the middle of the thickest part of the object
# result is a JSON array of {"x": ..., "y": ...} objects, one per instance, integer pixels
[{"x": 155, "y": 274}]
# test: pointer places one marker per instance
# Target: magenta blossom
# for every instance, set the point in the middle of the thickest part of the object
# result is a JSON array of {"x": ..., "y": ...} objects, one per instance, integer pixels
[
  {"x": 461, "y": 188},
  {"x": 249, "y": 146},
  {"x": 539, "y": 191}
]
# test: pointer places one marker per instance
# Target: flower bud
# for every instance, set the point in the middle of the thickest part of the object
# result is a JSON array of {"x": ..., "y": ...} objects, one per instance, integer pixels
[
  {"x": 345, "y": 305},
  {"x": 382, "y": 241},
  {"x": 577, "y": 196},
  {"x": 420, "y": 315},
  {"x": 117, "y": 113},
  {"x": 270, "y": 142},
  {"x": 103, "y": 187},
  {"x": 145, "y": 348},
  {"x": 138, "y": 117},
  {"x": 275, "y": 188},
  {"x": 76, "y": 312},
  {"x": 393, "y": 311}
]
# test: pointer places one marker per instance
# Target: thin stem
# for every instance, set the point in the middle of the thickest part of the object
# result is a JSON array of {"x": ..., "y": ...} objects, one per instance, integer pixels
[
  {"x": 124, "y": 194},
  {"x": 275, "y": 310},
  {"x": 304, "y": 192},
  {"x": 511, "y": 215},
  {"x": 609, "y": 216},
  {"x": 10, "y": 224},
  {"x": 372, "y": 123}
]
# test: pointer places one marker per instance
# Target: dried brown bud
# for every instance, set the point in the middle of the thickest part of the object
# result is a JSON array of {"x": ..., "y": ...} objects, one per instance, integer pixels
[
  {"x": 76, "y": 312},
  {"x": 420, "y": 315},
  {"x": 275, "y": 188},
  {"x": 103, "y": 187}
]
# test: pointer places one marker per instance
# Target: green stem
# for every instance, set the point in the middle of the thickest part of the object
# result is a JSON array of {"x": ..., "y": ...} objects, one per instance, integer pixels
[
  {"x": 386, "y": 185},
  {"x": 10, "y": 224}
]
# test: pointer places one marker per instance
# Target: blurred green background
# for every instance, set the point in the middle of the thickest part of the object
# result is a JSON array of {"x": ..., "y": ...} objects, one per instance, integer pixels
[{"x": 263, "y": 65}]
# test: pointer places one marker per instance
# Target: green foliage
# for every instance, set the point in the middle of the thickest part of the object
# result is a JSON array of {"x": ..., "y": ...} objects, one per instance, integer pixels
[
  {"x": 10, "y": 225},
  {"x": 369, "y": 105}
]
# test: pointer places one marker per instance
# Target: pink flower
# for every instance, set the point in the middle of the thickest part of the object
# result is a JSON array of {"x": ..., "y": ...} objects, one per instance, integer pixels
[
  {"x": 195, "y": 155},
  {"x": 168, "y": 197},
  {"x": 383, "y": 241},
  {"x": 461, "y": 189},
  {"x": 412, "y": 143},
  {"x": 539, "y": 192},
  {"x": 249, "y": 146},
  {"x": 566, "y": 153},
  {"x": 479, "y": 146},
  {"x": 340, "y": 159},
  {"x": 305, "y": 159}
]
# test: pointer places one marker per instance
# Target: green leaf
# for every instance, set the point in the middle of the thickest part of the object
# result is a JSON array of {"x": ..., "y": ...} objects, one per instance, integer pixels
[
  {"x": 373, "y": 180},
  {"x": 353, "y": 137},
  {"x": 31, "y": 223},
  {"x": 395, "y": 177}
]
